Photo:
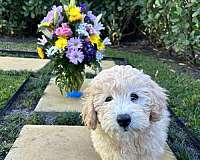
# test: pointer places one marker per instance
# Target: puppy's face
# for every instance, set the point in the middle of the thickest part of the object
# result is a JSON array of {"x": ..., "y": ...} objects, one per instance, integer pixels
[{"x": 123, "y": 100}]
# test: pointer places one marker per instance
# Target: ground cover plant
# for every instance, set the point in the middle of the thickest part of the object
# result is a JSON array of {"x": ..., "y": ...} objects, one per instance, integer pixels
[
  {"x": 184, "y": 95},
  {"x": 10, "y": 83}
]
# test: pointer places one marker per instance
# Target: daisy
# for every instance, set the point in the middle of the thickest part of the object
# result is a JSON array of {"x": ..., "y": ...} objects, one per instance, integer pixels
[
  {"x": 74, "y": 43},
  {"x": 75, "y": 56}
]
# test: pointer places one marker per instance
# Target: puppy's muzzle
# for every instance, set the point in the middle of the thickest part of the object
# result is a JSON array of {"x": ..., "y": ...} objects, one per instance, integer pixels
[{"x": 123, "y": 120}]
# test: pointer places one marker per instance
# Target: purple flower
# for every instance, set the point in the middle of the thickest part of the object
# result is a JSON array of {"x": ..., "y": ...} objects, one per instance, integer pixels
[
  {"x": 91, "y": 16},
  {"x": 90, "y": 29},
  {"x": 89, "y": 52},
  {"x": 87, "y": 19},
  {"x": 83, "y": 6},
  {"x": 50, "y": 15},
  {"x": 74, "y": 43},
  {"x": 75, "y": 56}
]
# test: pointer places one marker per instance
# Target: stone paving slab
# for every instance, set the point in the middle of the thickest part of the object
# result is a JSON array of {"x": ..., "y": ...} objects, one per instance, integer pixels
[
  {"x": 53, "y": 143},
  {"x": 53, "y": 101},
  {"x": 57, "y": 143},
  {"x": 19, "y": 64}
]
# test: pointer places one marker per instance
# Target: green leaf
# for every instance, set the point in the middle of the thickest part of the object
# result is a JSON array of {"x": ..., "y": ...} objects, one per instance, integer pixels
[
  {"x": 55, "y": 18},
  {"x": 72, "y": 3},
  {"x": 44, "y": 24},
  {"x": 64, "y": 2},
  {"x": 196, "y": 13},
  {"x": 32, "y": 15}
]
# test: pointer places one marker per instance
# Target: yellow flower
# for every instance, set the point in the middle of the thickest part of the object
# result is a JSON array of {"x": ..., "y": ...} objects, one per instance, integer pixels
[
  {"x": 74, "y": 13},
  {"x": 40, "y": 52},
  {"x": 95, "y": 39},
  {"x": 100, "y": 45},
  {"x": 61, "y": 42}
]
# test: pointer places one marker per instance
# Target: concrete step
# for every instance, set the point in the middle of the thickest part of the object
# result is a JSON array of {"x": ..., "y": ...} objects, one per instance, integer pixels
[
  {"x": 57, "y": 143},
  {"x": 20, "y": 64}
]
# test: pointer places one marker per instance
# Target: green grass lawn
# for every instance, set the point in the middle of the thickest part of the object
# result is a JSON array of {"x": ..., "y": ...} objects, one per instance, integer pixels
[
  {"x": 184, "y": 90},
  {"x": 9, "y": 83}
]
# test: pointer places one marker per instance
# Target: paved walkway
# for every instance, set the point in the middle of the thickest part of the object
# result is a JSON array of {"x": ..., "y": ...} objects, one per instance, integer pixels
[
  {"x": 44, "y": 142},
  {"x": 19, "y": 64},
  {"x": 57, "y": 143}
]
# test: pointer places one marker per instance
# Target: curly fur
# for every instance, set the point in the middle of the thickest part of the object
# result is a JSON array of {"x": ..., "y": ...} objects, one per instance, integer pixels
[{"x": 147, "y": 132}]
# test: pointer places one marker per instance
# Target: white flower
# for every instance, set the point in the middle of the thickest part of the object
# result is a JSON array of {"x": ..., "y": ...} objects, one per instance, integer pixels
[
  {"x": 42, "y": 41},
  {"x": 51, "y": 51},
  {"x": 98, "y": 25},
  {"x": 106, "y": 41}
]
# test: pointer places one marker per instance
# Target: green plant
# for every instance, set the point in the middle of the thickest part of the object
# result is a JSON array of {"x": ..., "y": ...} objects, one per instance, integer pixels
[
  {"x": 9, "y": 132},
  {"x": 116, "y": 15},
  {"x": 174, "y": 24},
  {"x": 68, "y": 118},
  {"x": 36, "y": 119},
  {"x": 22, "y": 16}
]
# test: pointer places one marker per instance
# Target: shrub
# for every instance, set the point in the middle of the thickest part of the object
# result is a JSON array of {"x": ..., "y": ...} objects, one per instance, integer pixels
[
  {"x": 174, "y": 24},
  {"x": 22, "y": 16},
  {"x": 117, "y": 15}
]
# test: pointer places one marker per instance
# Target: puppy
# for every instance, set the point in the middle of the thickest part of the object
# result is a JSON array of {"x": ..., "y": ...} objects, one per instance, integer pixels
[{"x": 127, "y": 114}]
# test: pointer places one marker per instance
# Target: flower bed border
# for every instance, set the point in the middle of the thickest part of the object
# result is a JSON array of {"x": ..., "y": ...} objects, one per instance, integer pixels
[
  {"x": 25, "y": 54},
  {"x": 194, "y": 139}
]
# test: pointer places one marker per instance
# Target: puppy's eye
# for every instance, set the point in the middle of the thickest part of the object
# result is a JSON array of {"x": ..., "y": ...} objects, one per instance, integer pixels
[
  {"x": 134, "y": 97},
  {"x": 108, "y": 99}
]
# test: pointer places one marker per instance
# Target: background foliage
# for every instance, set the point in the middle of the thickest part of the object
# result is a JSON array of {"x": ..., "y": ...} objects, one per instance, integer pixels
[
  {"x": 119, "y": 16},
  {"x": 174, "y": 24},
  {"x": 22, "y": 16}
]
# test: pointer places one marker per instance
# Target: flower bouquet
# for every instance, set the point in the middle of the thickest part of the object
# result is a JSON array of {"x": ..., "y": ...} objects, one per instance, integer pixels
[{"x": 71, "y": 38}]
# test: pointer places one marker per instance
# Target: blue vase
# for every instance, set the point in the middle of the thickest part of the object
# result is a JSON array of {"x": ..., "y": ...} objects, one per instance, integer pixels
[{"x": 73, "y": 94}]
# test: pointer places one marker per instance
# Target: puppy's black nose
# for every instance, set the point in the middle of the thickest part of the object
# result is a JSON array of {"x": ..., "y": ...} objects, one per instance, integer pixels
[{"x": 123, "y": 120}]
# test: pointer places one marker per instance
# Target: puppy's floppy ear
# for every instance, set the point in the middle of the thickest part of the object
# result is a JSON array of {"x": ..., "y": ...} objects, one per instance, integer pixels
[
  {"x": 158, "y": 102},
  {"x": 89, "y": 116}
]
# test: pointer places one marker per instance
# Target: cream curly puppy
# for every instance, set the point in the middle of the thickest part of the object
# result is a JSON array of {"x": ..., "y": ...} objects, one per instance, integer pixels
[{"x": 127, "y": 114}]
